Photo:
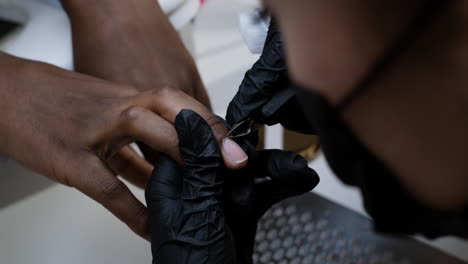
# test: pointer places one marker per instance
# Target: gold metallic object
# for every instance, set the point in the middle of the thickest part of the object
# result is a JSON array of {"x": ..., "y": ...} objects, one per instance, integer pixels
[{"x": 307, "y": 146}]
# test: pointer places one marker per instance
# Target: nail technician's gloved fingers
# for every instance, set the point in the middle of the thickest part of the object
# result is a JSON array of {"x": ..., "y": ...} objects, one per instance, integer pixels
[
  {"x": 197, "y": 142},
  {"x": 166, "y": 181},
  {"x": 290, "y": 115},
  {"x": 281, "y": 165},
  {"x": 267, "y": 77},
  {"x": 180, "y": 235},
  {"x": 246, "y": 202},
  {"x": 163, "y": 202},
  {"x": 290, "y": 176},
  {"x": 203, "y": 179},
  {"x": 185, "y": 202},
  {"x": 265, "y": 93}
]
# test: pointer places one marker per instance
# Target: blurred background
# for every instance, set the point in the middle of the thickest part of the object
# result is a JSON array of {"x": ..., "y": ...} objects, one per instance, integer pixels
[{"x": 45, "y": 223}]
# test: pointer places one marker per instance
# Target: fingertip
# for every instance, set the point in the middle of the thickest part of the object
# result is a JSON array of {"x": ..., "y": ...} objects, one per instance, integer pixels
[
  {"x": 234, "y": 166},
  {"x": 181, "y": 122},
  {"x": 299, "y": 161},
  {"x": 189, "y": 125},
  {"x": 234, "y": 156},
  {"x": 313, "y": 177}
]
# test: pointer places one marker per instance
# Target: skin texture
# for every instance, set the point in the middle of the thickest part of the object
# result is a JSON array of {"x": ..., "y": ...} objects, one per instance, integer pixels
[
  {"x": 75, "y": 129},
  {"x": 68, "y": 126},
  {"x": 414, "y": 117},
  {"x": 132, "y": 42}
]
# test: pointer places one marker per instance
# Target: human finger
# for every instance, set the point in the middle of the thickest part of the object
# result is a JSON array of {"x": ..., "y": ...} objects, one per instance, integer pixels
[
  {"x": 95, "y": 180},
  {"x": 168, "y": 103},
  {"x": 131, "y": 166}
]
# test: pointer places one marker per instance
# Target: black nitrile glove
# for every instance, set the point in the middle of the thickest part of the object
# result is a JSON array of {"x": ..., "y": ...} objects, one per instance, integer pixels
[
  {"x": 246, "y": 202},
  {"x": 265, "y": 93},
  {"x": 189, "y": 222},
  {"x": 185, "y": 203}
]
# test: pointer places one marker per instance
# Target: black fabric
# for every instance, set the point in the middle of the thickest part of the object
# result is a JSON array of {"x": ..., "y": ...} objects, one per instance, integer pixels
[
  {"x": 265, "y": 94},
  {"x": 204, "y": 213},
  {"x": 393, "y": 209}
]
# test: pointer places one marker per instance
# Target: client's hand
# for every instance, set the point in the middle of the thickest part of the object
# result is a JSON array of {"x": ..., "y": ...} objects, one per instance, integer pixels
[
  {"x": 265, "y": 93},
  {"x": 133, "y": 43},
  {"x": 69, "y": 126}
]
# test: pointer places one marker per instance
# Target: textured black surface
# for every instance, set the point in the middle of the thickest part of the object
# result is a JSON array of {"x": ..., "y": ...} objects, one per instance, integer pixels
[
  {"x": 185, "y": 202},
  {"x": 312, "y": 230},
  {"x": 265, "y": 93},
  {"x": 203, "y": 213}
]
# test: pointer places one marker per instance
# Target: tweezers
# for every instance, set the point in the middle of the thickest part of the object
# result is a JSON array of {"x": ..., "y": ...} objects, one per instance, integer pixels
[{"x": 242, "y": 129}]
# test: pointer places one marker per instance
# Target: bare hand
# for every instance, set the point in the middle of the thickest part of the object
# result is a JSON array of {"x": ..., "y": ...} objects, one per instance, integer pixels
[
  {"x": 132, "y": 42},
  {"x": 68, "y": 126}
]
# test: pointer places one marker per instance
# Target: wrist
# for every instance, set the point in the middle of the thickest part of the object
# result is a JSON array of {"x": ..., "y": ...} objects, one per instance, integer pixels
[
  {"x": 88, "y": 5},
  {"x": 116, "y": 10},
  {"x": 10, "y": 67}
]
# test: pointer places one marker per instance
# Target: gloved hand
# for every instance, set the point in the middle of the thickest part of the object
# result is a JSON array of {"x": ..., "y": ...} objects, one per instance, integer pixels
[
  {"x": 281, "y": 174},
  {"x": 185, "y": 203},
  {"x": 189, "y": 221},
  {"x": 266, "y": 96},
  {"x": 265, "y": 93}
]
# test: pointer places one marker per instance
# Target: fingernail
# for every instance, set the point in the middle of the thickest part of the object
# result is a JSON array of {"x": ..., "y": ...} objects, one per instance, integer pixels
[{"x": 234, "y": 152}]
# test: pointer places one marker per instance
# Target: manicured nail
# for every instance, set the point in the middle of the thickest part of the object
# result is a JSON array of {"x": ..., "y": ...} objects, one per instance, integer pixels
[{"x": 234, "y": 152}]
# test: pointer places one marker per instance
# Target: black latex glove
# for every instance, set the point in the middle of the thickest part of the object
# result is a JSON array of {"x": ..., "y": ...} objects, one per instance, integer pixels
[
  {"x": 265, "y": 93},
  {"x": 246, "y": 202},
  {"x": 189, "y": 222},
  {"x": 185, "y": 203}
]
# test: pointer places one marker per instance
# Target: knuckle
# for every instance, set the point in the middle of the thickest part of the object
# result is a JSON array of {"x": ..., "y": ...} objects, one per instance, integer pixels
[
  {"x": 126, "y": 91},
  {"x": 112, "y": 190},
  {"x": 132, "y": 114},
  {"x": 165, "y": 91},
  {"x": 213, "y": 120}
]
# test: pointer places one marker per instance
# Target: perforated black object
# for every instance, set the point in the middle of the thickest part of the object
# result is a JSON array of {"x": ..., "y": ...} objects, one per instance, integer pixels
[{"x": 312, "y": 230}]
